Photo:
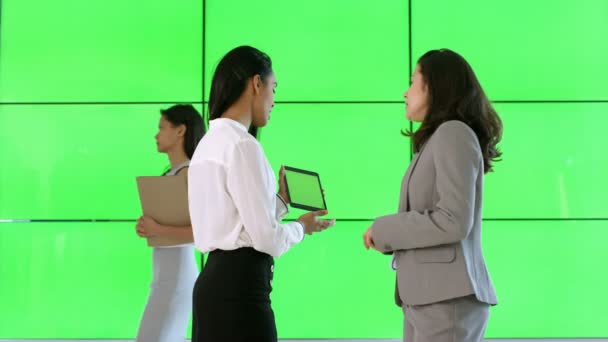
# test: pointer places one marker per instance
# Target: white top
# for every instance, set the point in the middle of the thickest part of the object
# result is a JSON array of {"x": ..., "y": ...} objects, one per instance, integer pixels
[
  {"x": 231, "y": 194},
  {"x": 177, "y": 168}
]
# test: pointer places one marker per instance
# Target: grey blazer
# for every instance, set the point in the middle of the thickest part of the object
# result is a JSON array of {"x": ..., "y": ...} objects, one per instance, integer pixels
[{"x": 436, "y": 235}]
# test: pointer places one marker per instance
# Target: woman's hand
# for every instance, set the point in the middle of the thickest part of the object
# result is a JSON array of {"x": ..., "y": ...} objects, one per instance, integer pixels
[
  {"x": 147, "y": 227},
  {"x": 312, "y": 224},
  {"x": 283, "y": 186},
  {"x": 368, "y": 241}
]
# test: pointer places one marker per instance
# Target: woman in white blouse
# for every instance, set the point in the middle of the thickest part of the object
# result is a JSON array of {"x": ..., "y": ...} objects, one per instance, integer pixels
[{"x": 234, "y": 209}]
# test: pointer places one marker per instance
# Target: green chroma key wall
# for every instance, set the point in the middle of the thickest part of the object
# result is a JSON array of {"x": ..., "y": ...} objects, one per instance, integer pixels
[{"x": 81, "y": 84}]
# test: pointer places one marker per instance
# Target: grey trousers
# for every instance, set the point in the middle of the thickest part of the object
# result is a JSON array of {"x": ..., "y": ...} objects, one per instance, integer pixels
[
  {"x": 169, "y": 305},
  {"x": 461, "y": 319}
]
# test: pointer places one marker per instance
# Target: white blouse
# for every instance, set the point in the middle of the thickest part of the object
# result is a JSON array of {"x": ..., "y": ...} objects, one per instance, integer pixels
[{"x": 232, "y": 194}]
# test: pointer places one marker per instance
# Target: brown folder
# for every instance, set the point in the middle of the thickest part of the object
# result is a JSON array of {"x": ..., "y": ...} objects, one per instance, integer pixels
[{"x": 165, "y": 199}]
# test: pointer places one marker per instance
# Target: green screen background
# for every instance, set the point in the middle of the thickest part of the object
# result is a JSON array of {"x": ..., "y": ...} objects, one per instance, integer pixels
[{"x": 82, "y": 83}]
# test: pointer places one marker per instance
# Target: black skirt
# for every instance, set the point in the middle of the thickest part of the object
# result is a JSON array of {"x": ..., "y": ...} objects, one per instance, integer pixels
[{"x": 231, "y": 300}]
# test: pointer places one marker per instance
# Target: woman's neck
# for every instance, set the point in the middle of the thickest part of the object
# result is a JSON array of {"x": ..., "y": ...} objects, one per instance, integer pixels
[
  {"x": 177, "y": 157},
  {"x": 239, "y": 112}
]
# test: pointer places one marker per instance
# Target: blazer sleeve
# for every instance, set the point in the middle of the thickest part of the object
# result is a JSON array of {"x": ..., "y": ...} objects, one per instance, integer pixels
[{"x": 457, "y": 159}]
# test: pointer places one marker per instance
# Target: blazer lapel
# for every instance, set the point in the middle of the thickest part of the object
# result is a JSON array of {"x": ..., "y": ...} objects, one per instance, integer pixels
[{"x": 408, "y": 176}]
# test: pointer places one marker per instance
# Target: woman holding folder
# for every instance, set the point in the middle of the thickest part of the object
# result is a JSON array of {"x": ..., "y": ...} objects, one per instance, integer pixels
[{"x": 174, "y": 268}]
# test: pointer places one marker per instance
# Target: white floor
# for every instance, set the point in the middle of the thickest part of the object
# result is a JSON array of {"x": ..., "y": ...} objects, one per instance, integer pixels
[{"x": 488, "y": 340}]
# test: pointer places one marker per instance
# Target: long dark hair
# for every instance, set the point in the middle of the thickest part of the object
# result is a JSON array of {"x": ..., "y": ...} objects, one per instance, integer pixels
[
  {"x": 454, "y": 93},
  {"x": 231, "y": 75},
  {"x": 187, "y": 115}
]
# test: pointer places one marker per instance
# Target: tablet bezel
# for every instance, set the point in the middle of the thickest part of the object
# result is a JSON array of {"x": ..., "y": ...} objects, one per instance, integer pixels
[{"x": 299, "y": 205}]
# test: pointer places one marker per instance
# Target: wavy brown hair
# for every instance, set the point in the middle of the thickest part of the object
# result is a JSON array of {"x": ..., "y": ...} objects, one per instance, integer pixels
[{"x": 454, "y": 93}]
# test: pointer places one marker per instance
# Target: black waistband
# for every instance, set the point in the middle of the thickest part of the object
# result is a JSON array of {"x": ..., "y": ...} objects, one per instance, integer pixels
[{"x": 243, "y": 251}]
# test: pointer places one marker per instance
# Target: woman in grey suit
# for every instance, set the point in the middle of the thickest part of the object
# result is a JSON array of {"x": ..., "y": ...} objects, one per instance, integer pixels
[{"x": 443, "y": 285}]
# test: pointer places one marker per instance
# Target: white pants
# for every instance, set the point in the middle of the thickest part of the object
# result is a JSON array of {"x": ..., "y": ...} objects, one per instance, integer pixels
[
  {"x": 461, "y": 319},
  {"x": 169, "y": 305}
]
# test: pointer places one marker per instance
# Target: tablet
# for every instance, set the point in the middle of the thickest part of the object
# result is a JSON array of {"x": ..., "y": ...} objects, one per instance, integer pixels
[{"x": 304, "y": 189}]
